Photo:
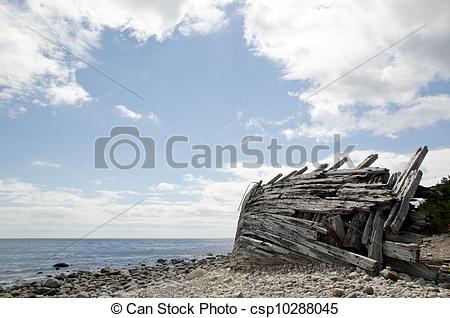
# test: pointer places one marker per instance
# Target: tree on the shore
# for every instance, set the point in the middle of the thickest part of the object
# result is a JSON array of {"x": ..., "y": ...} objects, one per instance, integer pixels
[{"x": 439, "y": 208}]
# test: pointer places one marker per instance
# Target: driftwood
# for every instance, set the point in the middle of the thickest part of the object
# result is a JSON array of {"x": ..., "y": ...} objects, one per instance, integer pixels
[{"x": 360, "y": 217}]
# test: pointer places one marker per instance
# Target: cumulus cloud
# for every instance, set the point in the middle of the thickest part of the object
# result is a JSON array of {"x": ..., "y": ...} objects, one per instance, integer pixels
[
  {"x": 318, "y": 41},
  {"x": 125, "y": 112},
  {"x": 34, "y": 68},
  {"x": 47, "y": 164}
]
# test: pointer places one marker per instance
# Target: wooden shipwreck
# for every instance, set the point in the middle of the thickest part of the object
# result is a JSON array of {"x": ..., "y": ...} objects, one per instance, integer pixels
[{"x": 361, "y": 217}]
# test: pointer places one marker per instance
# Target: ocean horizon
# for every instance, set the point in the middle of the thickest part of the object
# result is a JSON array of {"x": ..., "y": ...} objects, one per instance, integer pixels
[{"x": 24, "y": 259}]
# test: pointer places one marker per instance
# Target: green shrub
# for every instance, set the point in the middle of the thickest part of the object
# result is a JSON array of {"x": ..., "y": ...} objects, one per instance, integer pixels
[{"x": 439, "y": 208}]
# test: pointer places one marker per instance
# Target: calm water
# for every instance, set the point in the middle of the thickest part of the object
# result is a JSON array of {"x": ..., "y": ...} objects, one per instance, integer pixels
[{"x": 20, "y": 259}]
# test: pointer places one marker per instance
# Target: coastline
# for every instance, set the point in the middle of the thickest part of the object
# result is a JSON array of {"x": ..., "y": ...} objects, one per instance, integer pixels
[{"x": 214, "y": 277}]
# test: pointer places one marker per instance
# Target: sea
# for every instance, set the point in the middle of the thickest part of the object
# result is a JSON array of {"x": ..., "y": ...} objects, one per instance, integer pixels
[{"x": 22, "y": 260}]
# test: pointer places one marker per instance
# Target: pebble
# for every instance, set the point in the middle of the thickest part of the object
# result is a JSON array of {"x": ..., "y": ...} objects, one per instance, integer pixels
[
  {"x": 214, "y": 277},
  {"x": 388, "y": 274},
  {"x": 353, "y": 275},
  {"x": 337, "y": 292},
  {"x": 368, "y": 290}
]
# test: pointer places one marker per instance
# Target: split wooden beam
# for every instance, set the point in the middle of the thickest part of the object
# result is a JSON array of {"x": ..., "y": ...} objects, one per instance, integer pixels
[
  {"x": 409, "y": 252},
  {"x": 368, "y": 161}
]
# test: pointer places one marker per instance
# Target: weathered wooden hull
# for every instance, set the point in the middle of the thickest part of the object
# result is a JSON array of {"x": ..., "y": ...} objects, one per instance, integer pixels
[{"x": 338, "y": 216}]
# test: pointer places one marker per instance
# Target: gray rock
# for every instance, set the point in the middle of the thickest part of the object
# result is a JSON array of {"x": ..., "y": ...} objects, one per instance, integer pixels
[
  {"x": 196, "y": 273},
  {"x": 388, "y": 274},
  {"x": 368, "y": 290},
  {"x": 337, "y": 292},
  {"x": 367, "y": 278},
  {"x": 353, "y": 275},
  {"x": 60, "y": 265},
  {"x": 405, "y": 277},
  {"x": 52, "y": 283},
  {"x": 421, "y": 281},
  {"x": 82, "y": 294}
]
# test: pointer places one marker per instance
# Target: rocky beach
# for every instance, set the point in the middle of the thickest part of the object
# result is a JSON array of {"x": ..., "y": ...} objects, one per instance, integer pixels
[{"x": 214, "y": 277}]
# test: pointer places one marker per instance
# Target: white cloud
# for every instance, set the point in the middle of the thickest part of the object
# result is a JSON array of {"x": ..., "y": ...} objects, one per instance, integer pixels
[
  {"x": 318, "y": 41},
  {"x": 47, "y": 164},
  {"x": 33, "y": 68},
  {"x": 70, "y": 93},
  {"x": 163, "y": 187},
  {"x": 125, "y": 112},
  {"x": 17, "y": 111},
  {"x": 153, "y": 118}
]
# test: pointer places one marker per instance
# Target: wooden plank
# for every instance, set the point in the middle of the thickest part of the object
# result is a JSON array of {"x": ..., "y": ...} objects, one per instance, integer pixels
[
  {"x": 415, "y": 178},
  {"x": 404, "y": 251},
  {"x": 320, "y": 168},
  {"x": 340, "y": 255},
  {"x": 287, "y": 176},
  {"x": 274, "y": 179},
  {"x": 338, "y": 164},
  {"x": 404, "y": 237},
  {"x": 353, "y": 238},
  {"x": 375, "y": 245},
  {"x": 393, "y": 179},
  {"x": 301, "y": 171},
  {"x": 368, "y": 229},
  {"x": 338, "y": 226},
  {"x": 413, "y": 164},
  {"x": 391, "y": 216},
  {"x": 334, "y": 237},
  {"x": 368, "y": 161},
  {"x": 412, "y": 268}
]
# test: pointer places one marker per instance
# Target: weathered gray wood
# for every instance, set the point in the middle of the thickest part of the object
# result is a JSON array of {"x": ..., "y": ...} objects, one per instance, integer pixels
[
  {"x": 393, "y": 179},
  {"x": 414, "y": 164},
  {"x": 404, "y": 237},
  {"x": 338, "y": 226},
  {"x": 409, "y": 252},
  {"x": 368, "y": 161},
  {"x": 301, "y": 171},
  {"x": 412, "y": 268},
  {"x": 281, "y": 221},
  {"x": 320, "y": 168},
  {"x": 274, "y": 179},
  {"x": 334, "y": 237},
  {"x": 287, "y": 176},
  {"x": 375, "y": 245},
  {"x": 368, "y": 229},
  {"x": 354, "y": 233},
  {"x": 415, "y": 178},
  {"x": 338, "y": 164},
  {"x": 391, "y": 216}
]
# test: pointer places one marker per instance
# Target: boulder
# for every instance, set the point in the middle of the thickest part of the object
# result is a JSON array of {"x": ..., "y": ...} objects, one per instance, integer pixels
[
  {"x": 60, "y": 265},
  {"x": 52, "y": 283}
]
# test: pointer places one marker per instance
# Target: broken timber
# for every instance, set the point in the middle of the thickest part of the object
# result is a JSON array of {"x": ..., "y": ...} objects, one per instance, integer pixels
[{"x": 337, "y": 216}]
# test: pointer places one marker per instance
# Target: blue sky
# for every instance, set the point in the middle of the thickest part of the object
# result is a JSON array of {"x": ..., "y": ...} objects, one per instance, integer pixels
[{"x": 215, "y": 72}]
